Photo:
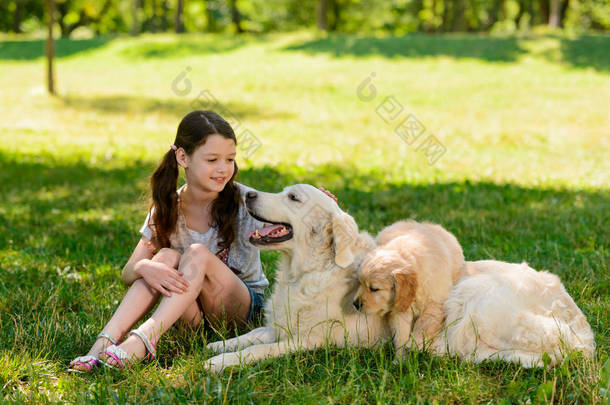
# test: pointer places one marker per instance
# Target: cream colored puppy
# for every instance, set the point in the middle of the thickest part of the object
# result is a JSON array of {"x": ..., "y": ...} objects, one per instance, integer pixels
[
  {"x": 407, "y": 280},
  {"x": 512, "y": 312}
]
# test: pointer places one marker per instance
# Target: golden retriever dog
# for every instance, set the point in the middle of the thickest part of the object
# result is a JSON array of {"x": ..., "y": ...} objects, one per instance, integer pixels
[
  {"x": 407, "y": 279},
  {"x": 514, "y": 313},
  {"x": 311, "y": 301}
]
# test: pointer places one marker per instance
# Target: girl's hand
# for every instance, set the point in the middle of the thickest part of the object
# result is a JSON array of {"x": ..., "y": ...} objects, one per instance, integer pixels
[{"x": 161, "y": 277}]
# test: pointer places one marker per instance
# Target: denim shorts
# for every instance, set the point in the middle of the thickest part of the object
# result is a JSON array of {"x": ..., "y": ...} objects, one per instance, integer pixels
[{"x": 257, "y": 304}]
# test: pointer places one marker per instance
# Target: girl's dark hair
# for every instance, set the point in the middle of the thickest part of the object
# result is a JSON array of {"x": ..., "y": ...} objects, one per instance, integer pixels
[{"x": 193, "y": 131}]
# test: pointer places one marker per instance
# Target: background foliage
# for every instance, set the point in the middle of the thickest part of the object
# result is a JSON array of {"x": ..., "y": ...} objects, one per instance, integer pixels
[{"x": 350, "y": 16}]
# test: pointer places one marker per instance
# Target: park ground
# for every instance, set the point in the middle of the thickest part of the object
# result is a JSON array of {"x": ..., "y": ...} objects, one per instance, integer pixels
[{"x": 522, "y": 122}]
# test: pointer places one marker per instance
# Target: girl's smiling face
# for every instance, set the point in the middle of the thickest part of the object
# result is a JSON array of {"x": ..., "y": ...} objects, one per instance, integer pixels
[{"x": 211, "y": 165}]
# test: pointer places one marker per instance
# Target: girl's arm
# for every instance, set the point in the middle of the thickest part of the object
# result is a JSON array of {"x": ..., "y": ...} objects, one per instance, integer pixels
[
  {"x": 159, "y": 273},
  {"x": 141, "y": 252}
]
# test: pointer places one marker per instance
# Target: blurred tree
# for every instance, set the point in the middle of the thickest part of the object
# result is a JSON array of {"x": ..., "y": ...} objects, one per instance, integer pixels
[
  {"x": 164, "y": 15},
  {"x": 178, "y": 23},
  {"x": 78, "y": 13},
  {"x": 322, "y": 15},
  {"x": 236, "y": 16},
  {"x": 365, "y": 16},
  {"x": 18, "y": 15},
  {"x": 458, "y": 15},
  {"x": 335, "y": 7},
  {"x": 555, "y": 13},
  {"x": 152, "y": 21},
  {"x": 212, "y": 13},
  {"x": 135, "y": 19},
  {"x": 496, "y": 13},
  {"x": 50, "y": 46}
]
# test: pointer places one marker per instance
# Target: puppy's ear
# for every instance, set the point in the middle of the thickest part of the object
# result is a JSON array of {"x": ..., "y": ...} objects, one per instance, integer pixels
[
  {"x": 345, "y": 233},
  {"x": 406, "y": 287}
]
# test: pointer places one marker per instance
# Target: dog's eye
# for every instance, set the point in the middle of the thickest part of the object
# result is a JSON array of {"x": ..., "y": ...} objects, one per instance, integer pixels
[
  {"x": 293, "y": 197},
  {"x": 373, "y": 289}
]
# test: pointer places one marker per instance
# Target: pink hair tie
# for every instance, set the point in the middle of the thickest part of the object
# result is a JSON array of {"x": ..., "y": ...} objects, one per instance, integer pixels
[
  {"x": 328, "y": 193},
  {"x": 174, "y": 147}
]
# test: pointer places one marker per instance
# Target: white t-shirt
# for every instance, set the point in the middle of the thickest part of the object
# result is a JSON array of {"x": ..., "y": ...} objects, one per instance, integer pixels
[{"x": 244, "y": 258}]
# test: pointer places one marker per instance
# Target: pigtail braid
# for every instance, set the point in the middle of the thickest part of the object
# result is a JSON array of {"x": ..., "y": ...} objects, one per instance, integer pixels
[{"x": 163, "y": 183}]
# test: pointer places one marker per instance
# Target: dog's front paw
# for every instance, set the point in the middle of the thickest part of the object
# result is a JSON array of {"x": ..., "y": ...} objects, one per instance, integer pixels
[
  {"x": 218, "y": 363},
  {"x": 216, "y": 347},
  {"x": 214, "y": 364}
]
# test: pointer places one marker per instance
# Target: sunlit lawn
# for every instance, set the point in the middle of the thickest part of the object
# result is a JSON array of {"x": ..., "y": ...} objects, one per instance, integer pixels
[{"x": 524, "y": 124}]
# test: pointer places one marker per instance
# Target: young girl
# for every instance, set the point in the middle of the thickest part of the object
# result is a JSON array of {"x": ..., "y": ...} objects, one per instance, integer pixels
[{"x": 193, "y": 254}]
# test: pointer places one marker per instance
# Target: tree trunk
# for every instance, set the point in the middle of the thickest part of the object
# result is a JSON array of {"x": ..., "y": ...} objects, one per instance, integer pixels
[
  {"x": 521, "y": 12},
  {"x": 17, "y": 16},
  {"x": 62, "y": 10},
  {"x": 50, "y": 46},
  {"x": 564, "y": 7},
  {"x": 135, "y": 23},
  {"x": 416, "y": 7},
  {"x": 432, "y": 27},
  {"x": 154, "y": 27},
  {"x": 554, "y": 13},
  {"x": 544, "y": 10},
  {"x": 459, "y": 16},
  {"x": 164, "y": 17},
  {"x": 446, "y": 16},
  {"x": 336, "y": 9},
  {"x": 323, "y": 15},
  {"x": 178, "y": 25},
  {"x": 211, "y": 14},
  {"x": 236, "y": 16},
  {"x": 495, "y": 14}
]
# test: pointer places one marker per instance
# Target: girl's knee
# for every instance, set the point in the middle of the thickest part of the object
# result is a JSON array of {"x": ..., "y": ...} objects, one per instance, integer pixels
[
  {"x": 195, "y": 261},
  {"x": 167, "y": 256},
  {"x": 196, "y": 252}
]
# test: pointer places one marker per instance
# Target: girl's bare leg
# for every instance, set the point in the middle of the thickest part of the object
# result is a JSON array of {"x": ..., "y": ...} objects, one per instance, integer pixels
[
  {"x": 223, "y": 296},
  {"x": 139, "y": 299}
]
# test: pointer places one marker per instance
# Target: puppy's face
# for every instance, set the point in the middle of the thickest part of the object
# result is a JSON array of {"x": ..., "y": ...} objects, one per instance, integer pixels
[{"x": 387, "y": 284}]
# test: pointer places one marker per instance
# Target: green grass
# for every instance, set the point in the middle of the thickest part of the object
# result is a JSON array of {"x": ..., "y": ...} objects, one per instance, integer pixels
[{"x": 525, "y": 176}]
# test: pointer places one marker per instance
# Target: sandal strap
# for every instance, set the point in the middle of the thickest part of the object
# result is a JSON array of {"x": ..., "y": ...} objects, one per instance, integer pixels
[
  {"x": 106, "y": 336},
  {"x": 117, "y": 354},
  {"x": 85, "y": 360},
  {"x": 150, "y": 347}
]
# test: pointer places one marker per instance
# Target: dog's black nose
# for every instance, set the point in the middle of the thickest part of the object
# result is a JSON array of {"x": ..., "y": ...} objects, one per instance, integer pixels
[
  {"x": 357, "y": 304},
  {"x": 251, "y": 195}
]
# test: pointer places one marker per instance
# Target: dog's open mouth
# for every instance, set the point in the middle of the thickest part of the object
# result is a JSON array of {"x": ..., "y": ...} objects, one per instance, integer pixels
[{"x": 275, "y": 233}]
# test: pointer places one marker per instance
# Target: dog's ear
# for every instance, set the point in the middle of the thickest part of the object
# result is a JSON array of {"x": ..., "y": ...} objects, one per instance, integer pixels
[
  {"x": 406, "y": 287},
  {"x": 345, "y": 233}
]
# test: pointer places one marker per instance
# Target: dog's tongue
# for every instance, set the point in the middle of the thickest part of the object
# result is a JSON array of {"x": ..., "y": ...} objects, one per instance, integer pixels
[{"x": 267, "y": 230}]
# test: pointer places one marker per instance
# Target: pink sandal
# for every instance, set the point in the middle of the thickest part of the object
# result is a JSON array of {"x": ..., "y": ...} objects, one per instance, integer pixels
[
  {"x": 121, "y": 357},
  {"x": 89, "y": 361}
]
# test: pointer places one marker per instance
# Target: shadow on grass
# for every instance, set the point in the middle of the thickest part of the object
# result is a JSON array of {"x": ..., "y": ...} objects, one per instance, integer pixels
[
  {"x": 34, "y": 49},
  {"x": 416, "y": 46},
  {"x": 178, "y": 47},
  {"x": 66, "y": 229},
  {"x": 587, "y": 51},
  {"x": 125, "y": 104}
]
